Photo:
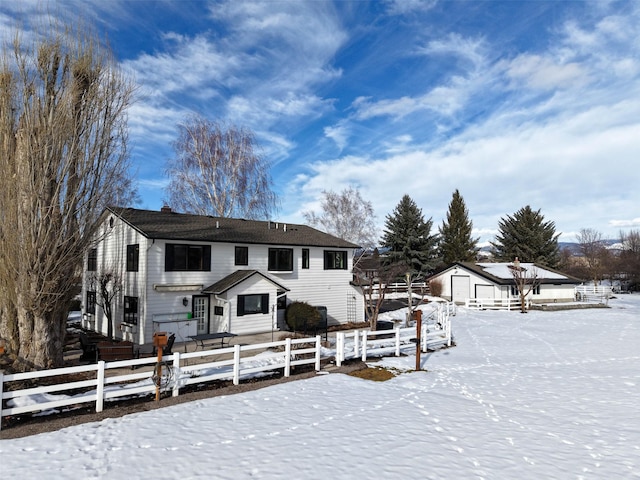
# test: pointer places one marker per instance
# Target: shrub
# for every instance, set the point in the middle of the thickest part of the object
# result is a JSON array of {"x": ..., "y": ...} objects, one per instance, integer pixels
[
  {"x": 301, "y": 316},
  {"x": 435, "y": 288}
]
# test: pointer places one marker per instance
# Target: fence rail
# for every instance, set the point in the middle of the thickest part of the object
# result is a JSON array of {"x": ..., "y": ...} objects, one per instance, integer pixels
[
  {"x": 106, "y": 381},
  {"x": 494, "y": 303},
  {"x": 593, "y": 293},
  {"x": 286, "y": 354},
  {"x": 436, "y": 330}
]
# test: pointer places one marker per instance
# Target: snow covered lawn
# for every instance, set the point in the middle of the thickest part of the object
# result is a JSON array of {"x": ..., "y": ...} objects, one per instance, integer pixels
[{"x": 541, "y": 395}]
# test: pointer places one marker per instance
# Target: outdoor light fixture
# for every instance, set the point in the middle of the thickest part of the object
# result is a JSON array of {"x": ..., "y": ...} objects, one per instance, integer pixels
[{"x": 185, "y": 301}]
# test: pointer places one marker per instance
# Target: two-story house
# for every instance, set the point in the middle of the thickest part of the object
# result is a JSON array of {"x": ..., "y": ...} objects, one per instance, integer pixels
[{"x": 191, "y": 274}]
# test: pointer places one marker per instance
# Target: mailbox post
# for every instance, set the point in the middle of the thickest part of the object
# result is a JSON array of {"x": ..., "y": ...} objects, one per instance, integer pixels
[{"x": 160, "y": 341}]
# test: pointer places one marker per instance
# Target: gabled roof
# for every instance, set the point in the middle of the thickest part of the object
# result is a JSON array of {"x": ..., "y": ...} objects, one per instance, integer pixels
[
  {"x": 200, "y": 228},
  {"x": 500, "y": 274},
  {"x": 237, "y": 278}
]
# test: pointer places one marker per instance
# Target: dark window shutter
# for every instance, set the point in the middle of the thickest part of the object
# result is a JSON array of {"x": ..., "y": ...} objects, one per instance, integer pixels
[
  {"x": 240, "y": 305},
  {"x": 206, "y": 260},
  {"x": 168, "y": 258},
  {"x": 265, "y": 303}
]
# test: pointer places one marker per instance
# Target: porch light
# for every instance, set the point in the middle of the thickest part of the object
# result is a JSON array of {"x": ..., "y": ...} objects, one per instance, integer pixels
[{"x": 185, "y": 301}]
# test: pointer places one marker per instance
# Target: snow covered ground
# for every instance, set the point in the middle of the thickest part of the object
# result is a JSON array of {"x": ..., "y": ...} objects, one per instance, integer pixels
[{"x": 541, "y": 395}]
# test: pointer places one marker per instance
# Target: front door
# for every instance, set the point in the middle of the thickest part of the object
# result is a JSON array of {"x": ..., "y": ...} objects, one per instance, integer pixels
[{"x": 201, "y": 313}]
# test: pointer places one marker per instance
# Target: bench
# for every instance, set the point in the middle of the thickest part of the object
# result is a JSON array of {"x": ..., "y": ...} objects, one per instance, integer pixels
[{"x": 112, "y": 351}]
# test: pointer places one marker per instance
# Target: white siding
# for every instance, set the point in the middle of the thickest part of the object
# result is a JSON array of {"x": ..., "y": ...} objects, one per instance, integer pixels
[{"x": 160, "y": 293}]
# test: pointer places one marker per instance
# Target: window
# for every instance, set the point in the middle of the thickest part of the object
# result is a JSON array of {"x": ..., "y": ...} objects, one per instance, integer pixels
[
  {"x": 248, "y": 304},
  {"x": 218, "y": 310},
  {"x": 242, "y": 255},
  {"x": 515, "y": 292},
  {"x": 335, "y": 260},
  {"x": 91, "y": 302},
  {"x": 92, "y": 260},
  {"x": 305, "y": 258},
  {"x": 187, "y": 258},
  {"x": 131, "y": 310},
  {"x": 133, "y": 254},
  {"x": 280, "y": 259}
]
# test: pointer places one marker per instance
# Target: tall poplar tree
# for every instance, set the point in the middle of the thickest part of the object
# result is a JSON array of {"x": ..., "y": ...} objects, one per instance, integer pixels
[
  {"x": 528, "y": 237},
  {"x": 63, "y": 158},
  {"x": 456, "y": 243},
  {"x": 408, "y": 237}
]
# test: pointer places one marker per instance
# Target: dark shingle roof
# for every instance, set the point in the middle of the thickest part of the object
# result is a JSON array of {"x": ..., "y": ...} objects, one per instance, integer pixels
[
  {"x": 199, "y": 228},
  {"x": 236, "y": 278}
]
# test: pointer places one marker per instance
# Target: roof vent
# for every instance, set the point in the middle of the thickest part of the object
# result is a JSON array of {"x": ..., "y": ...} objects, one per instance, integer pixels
[{"x": 165, "y": 209}]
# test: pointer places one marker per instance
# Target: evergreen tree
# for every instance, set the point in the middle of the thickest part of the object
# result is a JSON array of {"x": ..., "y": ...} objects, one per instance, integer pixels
[
  {"x": 527, "y": 236},
  {"x": 456, "y": 244},
  {"x": 408, "y": 236}
]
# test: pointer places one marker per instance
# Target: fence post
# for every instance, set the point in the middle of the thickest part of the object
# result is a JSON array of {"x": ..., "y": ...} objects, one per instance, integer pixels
[
  {"x": 397, "y": 341},
  {"x": 339, "y": 348},
  {"x": 236, "y": 364},
  {"x": 356, "y": 343},
  {"x": 176, "y": 374},
  {"x": 318, "y": 347},
  {"x": 1, "y": 390},
  {"x": 364, "y": 345},
  {"x": 100, "y": 387},
  {"x": 287, "y": 357}
]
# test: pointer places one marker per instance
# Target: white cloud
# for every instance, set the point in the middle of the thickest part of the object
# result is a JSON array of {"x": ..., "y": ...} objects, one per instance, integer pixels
[
  {"x": 625, "y": 223},
  {"x": 339, "y": 133},
  {"x": 542, "y": 73}
]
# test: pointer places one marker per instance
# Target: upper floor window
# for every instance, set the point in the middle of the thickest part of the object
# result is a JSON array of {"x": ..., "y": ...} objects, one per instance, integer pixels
[
  {"x": 131, "y": 310},
  {"x": 187, "y": 258},
  {"x": 281, "y": 259},
  {"x": 335, "y": 260},
  {"x": 305, "y": 258},
  {"x": 92, "y": 260},
  {"x": 133, "y": 255},
  {"x": 242, "y": 256}
]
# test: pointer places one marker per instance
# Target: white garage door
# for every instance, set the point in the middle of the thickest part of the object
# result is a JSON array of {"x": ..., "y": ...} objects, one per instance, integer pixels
[
  {"x": 485, "y": 291},
  {"x": 460, "y": 288}
]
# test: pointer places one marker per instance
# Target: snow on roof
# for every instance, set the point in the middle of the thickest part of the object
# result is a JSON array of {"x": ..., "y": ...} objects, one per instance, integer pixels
[{"x": 502, "y": 270}]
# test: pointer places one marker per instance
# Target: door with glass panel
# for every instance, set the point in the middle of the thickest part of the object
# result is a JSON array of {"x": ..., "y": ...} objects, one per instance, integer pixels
[{"x": 201, "y": 313}]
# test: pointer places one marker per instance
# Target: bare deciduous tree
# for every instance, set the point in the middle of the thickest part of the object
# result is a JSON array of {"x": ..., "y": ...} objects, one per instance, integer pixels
[
  {"x": 346, "y": 215},
  {"x": 63, "y": 156},
  {"x": 374, "y": 282},
  {"x": 525, "y": 281},
  {"x": 593, "y": 249},
  {"x": 107, "y": 283},
  {"x": 218, "y": 170}
]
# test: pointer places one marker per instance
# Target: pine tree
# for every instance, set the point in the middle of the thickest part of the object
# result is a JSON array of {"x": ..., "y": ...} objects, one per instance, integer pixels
[
  {"x": 456, "y": 244},
  {"x": 408, "y": 236},
  {"x": 527, "y": 236}
]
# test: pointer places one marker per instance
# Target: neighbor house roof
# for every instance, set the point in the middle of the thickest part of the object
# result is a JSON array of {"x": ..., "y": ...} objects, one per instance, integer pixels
[
  {"x": 168, "y": 225},
  {"x": 500, "y": 273},
  {"x": 237, "y": 278}
]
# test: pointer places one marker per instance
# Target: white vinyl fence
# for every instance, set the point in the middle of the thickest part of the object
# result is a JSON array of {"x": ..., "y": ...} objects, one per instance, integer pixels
[
  {"x": 593, "y": 293},
  {"x": 436, "y": 330},
  {"x": 494, "y": 303},
  {"x": 99, "y": 387}
]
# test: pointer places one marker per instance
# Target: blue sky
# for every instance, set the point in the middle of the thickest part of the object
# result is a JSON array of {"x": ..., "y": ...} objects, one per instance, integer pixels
[{"x": 513, "y": 103}]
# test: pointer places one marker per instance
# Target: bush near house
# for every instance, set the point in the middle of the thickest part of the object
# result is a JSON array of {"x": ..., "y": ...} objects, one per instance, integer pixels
[{"x": 302, "y": 317}]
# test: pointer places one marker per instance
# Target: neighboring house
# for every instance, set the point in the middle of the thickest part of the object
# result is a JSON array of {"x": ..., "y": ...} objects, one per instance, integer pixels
[
  {"x": 463, "y": 280},
  {"x": 192, "y": 274}
]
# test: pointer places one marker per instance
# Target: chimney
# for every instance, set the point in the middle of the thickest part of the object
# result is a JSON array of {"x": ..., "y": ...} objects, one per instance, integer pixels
[{"x": 165, "y": 209}]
